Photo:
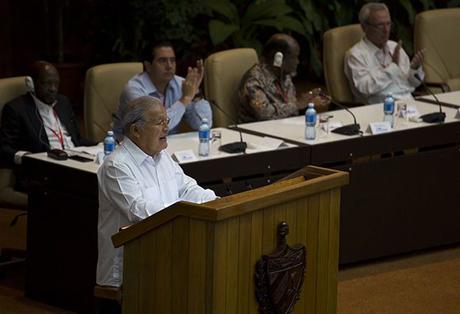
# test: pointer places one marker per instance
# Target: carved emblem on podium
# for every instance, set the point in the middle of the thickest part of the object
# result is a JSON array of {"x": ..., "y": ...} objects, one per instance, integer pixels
[{"x": 279, "y": 276}]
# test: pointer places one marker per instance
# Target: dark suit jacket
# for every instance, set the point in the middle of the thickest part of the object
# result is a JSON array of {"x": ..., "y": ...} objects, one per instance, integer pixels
[{"x": 22, "y": 127}]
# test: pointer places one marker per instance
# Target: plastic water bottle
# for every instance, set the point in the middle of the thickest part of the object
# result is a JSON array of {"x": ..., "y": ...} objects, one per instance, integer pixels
[
  {"x": 203, "y": 135},
  {"x": 389, "y": 109},
  {"x": 109, "y": 143},
  {"x": 310, "y": 122}
]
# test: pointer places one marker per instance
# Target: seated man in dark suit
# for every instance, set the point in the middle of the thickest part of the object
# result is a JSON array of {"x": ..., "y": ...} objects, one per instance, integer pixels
[{"x": 39, "y": 120}]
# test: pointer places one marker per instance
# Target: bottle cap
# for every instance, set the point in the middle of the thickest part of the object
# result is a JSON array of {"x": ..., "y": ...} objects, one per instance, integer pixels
[{"x": 110, "y": 133}]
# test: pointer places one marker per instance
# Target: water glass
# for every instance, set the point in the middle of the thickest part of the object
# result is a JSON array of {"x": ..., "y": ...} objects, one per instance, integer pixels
[{"x": 216, "y": 142}]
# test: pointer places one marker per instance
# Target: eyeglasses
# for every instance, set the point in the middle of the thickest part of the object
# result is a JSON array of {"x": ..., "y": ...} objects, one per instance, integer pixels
[
  {"x": 159, "y": 122},
  {"x": 381, "y": 26}
]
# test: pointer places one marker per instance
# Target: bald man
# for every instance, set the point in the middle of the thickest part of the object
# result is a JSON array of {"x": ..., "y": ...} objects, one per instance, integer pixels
[
  {"x": 39, "y": 120},
  {"x": 266, "y": 91}
]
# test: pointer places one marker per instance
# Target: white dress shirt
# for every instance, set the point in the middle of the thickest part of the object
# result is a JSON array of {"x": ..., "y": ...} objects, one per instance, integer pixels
[
  {"x": 134, "y": 186},
  {"x": 372, "y": 74}
]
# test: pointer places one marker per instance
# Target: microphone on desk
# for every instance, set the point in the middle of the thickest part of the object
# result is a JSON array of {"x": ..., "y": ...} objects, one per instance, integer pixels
[
  {"x": 235, "y": 147},
  {"x": 434, "y": 117},
  {"x": 349, "y": 129}
]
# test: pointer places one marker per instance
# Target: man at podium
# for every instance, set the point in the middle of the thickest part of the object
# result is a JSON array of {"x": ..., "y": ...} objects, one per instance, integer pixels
[{"x": 137, "y": 180}]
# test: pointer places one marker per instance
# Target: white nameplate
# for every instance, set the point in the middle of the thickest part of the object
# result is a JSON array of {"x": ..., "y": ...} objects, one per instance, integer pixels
[
  {"x": 411, "y": 111},
  {"x": 270, "y": 142},
  {"x": 185, "y": 156},
  {"x": 379, "y": 127}
]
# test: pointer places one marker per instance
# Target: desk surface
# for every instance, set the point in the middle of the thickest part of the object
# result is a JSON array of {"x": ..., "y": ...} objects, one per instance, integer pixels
[
  {"x": 293, "y": 128},
  {"x": 176, "y": 142},
  {"x": 452, "y": 98}
]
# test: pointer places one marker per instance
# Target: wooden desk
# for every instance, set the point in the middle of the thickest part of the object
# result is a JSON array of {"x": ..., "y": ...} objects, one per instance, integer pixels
[
  {"x": 403, "y": 186},
  {"x": 63, "y": 211}
]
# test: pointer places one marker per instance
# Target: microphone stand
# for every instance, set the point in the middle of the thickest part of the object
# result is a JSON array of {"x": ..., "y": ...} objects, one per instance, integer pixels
[
  {"x": 235, "y": 147},
  {"x": 349, "y": 129},
  {"x": 434, "y": 117}
]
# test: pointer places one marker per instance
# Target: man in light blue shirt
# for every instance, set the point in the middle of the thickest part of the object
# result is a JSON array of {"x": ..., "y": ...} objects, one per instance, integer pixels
[{"x": 180, "y": 96}]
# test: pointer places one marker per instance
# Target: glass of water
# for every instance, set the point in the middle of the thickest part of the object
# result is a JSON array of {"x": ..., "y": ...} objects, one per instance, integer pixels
[
  {"x": 324, "y": 124},
  {"x": 216, "y": 142}
]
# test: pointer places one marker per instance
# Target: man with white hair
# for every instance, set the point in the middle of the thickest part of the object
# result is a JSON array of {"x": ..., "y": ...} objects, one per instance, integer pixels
[
  {"x": 137, "y": 180},
  {"x": 376, "y": 66}
]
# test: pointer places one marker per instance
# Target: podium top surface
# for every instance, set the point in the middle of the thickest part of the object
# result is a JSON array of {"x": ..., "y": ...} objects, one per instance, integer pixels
[{"x": 310, "y": 180}]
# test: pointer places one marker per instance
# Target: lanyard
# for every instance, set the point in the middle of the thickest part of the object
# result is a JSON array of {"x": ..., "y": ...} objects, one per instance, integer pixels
[{"x": 58, "y": 132}]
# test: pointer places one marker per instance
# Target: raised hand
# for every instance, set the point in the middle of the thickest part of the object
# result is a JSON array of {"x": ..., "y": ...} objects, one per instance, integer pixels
[
  {"x": 396, "y": 52},
  {"x": 200, "y": 68},
  {"x": 417, "y": 60},
  {"x": 192, "y": 82}
]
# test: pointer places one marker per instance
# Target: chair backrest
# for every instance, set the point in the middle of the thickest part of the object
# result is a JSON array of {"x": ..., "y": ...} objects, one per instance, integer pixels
[
  {"x": 103, "y": 87},
  {"x": 437, "y": 31},
  {"x": 336, "y": 42},
  {"x": 223, "y": 73},
  {"x": 10, "y": 88}
]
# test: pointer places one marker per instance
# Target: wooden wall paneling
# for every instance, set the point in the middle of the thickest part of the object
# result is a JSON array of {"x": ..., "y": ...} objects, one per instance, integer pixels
[
  {"x": 232, "y": 265},
  {"x": 301, "y": 210},
  {"x": 246, "y": 266},
  {"x": 323, "y": 252},
  {"x": 312, "y": 251},
  {"x": 197, "y": 267},
  {"x": 268, "y": 238},
  {"x": 333, "y": 266},
  {"x": 256, "y": 252},
  {"x": 147, "y": 289},
  {"x": 132, "y": 260},
  {"x": 163, "y": 256},
  {"x": 219, "y": 268},
  {"x": 180, "y": 262}
]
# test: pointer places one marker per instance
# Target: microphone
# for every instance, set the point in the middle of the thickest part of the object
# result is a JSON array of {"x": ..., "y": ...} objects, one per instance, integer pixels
[
  {"x": 435, "y": 117},
  {"x": 349, "y": 129},
  {"x": 235, "y": 147}
]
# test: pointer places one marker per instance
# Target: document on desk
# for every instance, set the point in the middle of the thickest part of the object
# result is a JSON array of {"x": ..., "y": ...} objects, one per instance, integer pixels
[
  {"x": 90, "y": 150},
  {"x": 270, "y": 143}
]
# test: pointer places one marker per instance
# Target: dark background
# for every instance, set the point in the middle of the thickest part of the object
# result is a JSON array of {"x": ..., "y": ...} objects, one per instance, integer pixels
[{"x": 102, "y": 31}]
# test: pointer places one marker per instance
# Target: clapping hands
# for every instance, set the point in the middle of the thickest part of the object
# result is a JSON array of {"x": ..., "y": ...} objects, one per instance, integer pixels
[{"x": 192, "y": 82}]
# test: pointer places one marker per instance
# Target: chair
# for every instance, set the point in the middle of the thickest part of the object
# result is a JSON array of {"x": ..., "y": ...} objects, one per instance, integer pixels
[
  {"x": 12, "y": 203},
  {"x": 223, "y": 73},
  {"x": 103, "y": 86},
  {"x": 10, "y": 88},
  {"x": 336, "y": 42},
  {"x": 437, "y": 32}
]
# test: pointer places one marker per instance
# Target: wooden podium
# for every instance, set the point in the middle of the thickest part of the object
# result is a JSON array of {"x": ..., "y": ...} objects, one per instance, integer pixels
[{"x": 192, "y": 258}]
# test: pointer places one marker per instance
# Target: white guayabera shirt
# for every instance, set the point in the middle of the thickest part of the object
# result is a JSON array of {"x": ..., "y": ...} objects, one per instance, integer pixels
[
  {"x": 372, "y": 74},
  {"x": 133, "y": 186}
]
